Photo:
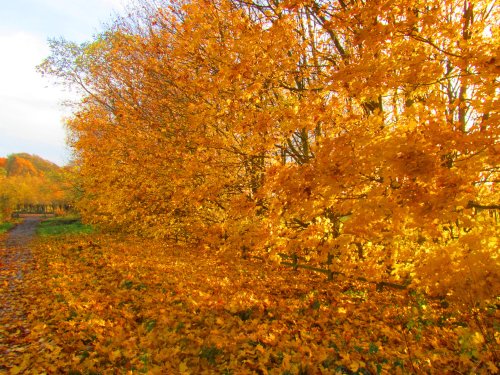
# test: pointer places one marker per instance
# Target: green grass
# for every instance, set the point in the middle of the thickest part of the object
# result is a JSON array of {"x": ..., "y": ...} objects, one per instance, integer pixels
[
  {"x": 4, "y": 227},
  {"x": 63, "y": 225}
]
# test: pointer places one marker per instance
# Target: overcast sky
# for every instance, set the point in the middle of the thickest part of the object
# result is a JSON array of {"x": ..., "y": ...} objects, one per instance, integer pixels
[{"x": 31, "y": 113}]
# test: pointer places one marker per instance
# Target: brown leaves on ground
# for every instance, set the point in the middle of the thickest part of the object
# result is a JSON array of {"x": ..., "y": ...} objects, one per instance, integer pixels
[{"x": 98, "y": 304}]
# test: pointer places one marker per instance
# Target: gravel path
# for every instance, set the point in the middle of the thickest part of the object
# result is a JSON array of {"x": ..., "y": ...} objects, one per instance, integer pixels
[{"x": 15, "y": 262}]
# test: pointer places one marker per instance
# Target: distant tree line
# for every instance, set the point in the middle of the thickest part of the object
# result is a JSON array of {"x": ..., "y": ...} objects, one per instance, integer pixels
[{"x": 30, "y": 184}]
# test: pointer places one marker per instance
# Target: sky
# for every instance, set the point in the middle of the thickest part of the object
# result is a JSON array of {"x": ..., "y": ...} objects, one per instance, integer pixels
[{"x": 31, "y": 107}]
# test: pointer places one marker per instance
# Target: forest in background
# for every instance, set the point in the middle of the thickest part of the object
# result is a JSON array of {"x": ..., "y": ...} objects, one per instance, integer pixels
[{"x": 30, "y": 183}]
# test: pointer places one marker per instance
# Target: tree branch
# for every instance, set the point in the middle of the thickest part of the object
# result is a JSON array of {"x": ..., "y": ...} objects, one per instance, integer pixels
[{"x": 473, "y": 204}]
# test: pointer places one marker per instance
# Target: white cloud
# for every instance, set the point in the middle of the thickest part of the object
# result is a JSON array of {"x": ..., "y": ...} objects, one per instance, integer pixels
[{"x": 30, "y": 109}]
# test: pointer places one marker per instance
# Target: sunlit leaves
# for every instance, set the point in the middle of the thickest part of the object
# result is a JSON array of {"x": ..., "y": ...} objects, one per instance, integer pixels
[{"x": 360, "y": 137}]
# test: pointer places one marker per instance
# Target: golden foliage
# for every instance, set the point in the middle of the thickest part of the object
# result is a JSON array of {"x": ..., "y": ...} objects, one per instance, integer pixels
[
  {"x": 28, "y": 180},
  {"x": 363, "y": 135}
]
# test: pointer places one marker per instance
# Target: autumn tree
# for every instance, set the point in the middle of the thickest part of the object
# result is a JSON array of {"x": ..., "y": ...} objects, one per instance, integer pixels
[
  {"x": 28, "y": 181},
  {"x": 360, "y": 135}
]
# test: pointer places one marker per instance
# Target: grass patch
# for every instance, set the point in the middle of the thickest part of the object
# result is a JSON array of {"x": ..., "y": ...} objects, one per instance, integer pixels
[
  {"x": 63, "y": 225},
  {"x": 4, "y": 227}
]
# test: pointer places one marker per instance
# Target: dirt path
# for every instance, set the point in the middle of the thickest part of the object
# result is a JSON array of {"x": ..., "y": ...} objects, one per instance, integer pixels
[{"x": 15, "y": 262}]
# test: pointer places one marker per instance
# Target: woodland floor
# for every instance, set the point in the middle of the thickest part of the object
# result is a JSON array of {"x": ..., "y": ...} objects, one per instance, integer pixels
[{"x": 103, "y": 304}]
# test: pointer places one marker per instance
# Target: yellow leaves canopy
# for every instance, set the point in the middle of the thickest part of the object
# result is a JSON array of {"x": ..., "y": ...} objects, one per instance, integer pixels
[{"x": 363, "y": 134}]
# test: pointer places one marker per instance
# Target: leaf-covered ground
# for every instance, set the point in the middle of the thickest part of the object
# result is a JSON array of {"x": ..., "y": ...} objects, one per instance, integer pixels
[{"x": 97, "y": 304}]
